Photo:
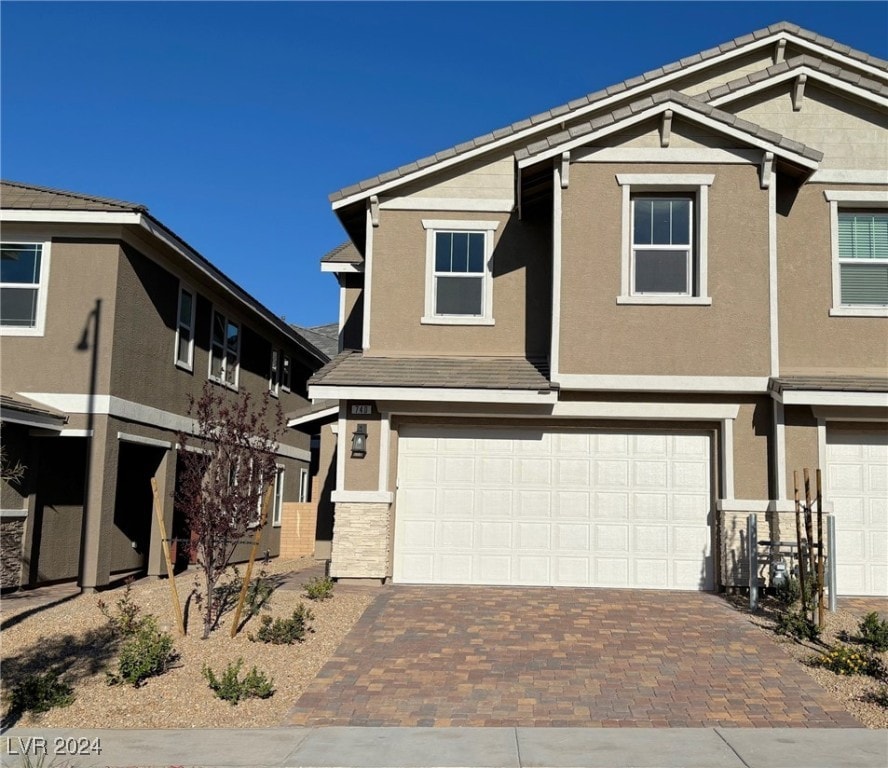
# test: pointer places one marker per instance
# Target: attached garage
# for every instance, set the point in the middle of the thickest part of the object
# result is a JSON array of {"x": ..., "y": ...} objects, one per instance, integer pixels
[
  {"x": 526, "y": 506},
  {"x": 857, "y": 485}
]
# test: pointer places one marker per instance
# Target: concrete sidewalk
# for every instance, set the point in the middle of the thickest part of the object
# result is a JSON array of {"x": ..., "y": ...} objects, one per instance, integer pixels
[{"x": 348, "y": 747}]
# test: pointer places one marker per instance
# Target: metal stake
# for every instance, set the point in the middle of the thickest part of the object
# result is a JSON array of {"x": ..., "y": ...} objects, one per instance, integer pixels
[{"x": 752, "y": 543}]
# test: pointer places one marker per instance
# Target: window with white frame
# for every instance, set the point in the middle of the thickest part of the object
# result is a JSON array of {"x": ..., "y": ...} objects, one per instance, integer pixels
[
  {"x": 664, "y": 238},
  {"x": 224, "y": 351},
  {"x": 274, "y": 383},
  {"x": 24, "y": 274},
  {"x": 859, "y": 248},
  {"x": 459, "y": 276},
  {"x": 304, "y": 488},
  {"x": 285, "y": 372},
  {"x": 278, "y": 501},
  {"x": 185, "y": 329}
]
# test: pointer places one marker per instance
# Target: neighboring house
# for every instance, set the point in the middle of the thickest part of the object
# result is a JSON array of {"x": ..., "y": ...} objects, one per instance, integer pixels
[
  {"x": 582, "y": 349},
  {"x": 109, "y": 323}
]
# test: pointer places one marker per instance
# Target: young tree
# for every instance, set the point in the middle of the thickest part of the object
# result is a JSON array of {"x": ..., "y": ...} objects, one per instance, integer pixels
[{"x": 225, "y": 466}]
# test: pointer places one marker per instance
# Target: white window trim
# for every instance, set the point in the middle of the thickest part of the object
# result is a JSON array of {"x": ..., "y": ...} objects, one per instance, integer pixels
[
  {"x": 432, "y": 227},
  {"x": 304, "y": 486},
  {"x": 189, "y": 365},
  {"x": 849, "y": 199},
  {"x": 39, "y": 327},
  {"x": 698, "y": 184},
  {"x": 221, "y": 380},
  {"x": 277, "y": 502},
  {"x": 274, "y": 373},
  {"x": 286, "y": 380}
]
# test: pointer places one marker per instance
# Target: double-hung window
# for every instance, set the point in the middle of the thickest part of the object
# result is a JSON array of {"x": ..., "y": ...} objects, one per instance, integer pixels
[
  {"x": 24, "y": 273},
  {"x": 224, "y": 351},
  {"x": 278, "y": 500},
  {"x": 274, "y": 382},
  {"x": 285, "y": 372},
  {"x": 459, "y": 277},
  {"x": 664, "y": 248},
  {"x": 185, "y": 329}
]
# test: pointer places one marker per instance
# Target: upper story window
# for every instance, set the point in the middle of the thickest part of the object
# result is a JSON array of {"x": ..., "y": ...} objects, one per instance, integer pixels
[
  {"x": 859, "y": 229},
  {"x": 185, "y": 329},
  {"x": 459, "y": 277},
  {"x": 285, "y": 372},
  {"x": 224, "y": 351},
  {"x": 274, "y": 382},
  {"x": 24, "y": 274},
  {"x": 664, "y": 243}
]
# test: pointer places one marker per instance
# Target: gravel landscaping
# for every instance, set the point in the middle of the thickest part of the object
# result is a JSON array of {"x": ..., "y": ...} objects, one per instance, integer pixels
[{"x": 72, "y": 637}]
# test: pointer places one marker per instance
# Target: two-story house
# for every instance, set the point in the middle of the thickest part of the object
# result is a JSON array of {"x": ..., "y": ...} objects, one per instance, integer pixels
[
  {"x": 109, "y": 322},
  {"x": 583, "y": 348}
]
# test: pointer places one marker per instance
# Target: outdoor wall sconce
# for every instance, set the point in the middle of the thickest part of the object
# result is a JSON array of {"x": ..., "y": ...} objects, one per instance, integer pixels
[{"x": 359, "y": 442}]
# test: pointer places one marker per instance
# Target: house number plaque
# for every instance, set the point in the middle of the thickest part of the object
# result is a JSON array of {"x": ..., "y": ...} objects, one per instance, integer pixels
[{"x": 361, "y": 410}]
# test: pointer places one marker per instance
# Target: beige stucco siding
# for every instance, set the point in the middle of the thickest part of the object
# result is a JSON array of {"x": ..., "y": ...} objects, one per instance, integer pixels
[
  {"x": 520, "y": 270},
  {"x": 802, "y": 450},
  {"x": 850, "y": 133},
  {"x": 812, "y": 342},
  {"x": 752, "y": 434},
  {"x": 362, "y": 473},
  {"x": 492, "y": 179},
  {"x": 351, "y": 332},
  {"x": 728, "y": 338}
]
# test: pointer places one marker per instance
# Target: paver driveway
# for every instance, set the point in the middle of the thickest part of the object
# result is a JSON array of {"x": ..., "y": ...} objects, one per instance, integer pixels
[{"x": 503, "y": 656}]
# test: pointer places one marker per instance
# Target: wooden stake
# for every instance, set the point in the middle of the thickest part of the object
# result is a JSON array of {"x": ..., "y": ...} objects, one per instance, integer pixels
[
  {"x": 161, "y": 525},
  {"x": 798, "y": 516},
  {"x": 809, "y": 529},
  {"x": 266, "y": 499},
  {"x": 820, "y": 606}
]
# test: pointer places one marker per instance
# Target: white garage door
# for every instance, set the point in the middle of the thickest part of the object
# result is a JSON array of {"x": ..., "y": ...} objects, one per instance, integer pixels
[
  {"x": 857, "y": 485},
  {"x": 533, "y": 507}
]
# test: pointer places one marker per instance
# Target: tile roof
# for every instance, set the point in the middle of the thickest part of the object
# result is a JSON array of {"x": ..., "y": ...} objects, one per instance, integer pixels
[
  {"x": 26, "y": 406},
  {"x": 16, "y": 195},
  {"x": 353, "y": 369},
  {"x": 317, "y": 407},
  {"x": 324, "y": 337},
  {"x": 346, "y": 253},
  {"x": 830, "y": 383},
  {"x": 636, "y": 107},
  {"x": 811, "y": 62},
  {"x": 565, "y": 110}
]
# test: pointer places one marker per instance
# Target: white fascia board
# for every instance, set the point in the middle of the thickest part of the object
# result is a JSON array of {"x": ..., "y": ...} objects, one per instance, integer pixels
[
  {"x": 720, "y": 384},
  {"x": 655, "y": 84},
  {"x": 362, "y": 497},
  {"x": 829, "y": 53},
  {"x": 308, "y": 418},
  {"x": 70, "y": 217},
  {"x": 646, "y": 411},
  {"x": 126, "y": 437},
  {"x": 813, "y": 76},
  {"x": 332, "y": 266},
  {"x": 432, "y": 394},
  {"x": 834, "y": 398},
  {"x": 715, "y": 155},
  {"x": 12, "y": 416},
  {"x": 678, "y": 109}
]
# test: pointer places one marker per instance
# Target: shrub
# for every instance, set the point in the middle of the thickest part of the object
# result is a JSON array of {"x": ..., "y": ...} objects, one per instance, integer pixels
[
  {"x": 232, "y": 689},
  {"x": 319, "y": 588},
  {"x": 796, "y": 624},
  {"x": 873, "y": 631},
  {"x": 40, "y": 692},
  {"x": 127, "y": 620},
  {"x": 258, "y": 594},
  {"x": 879, "y": 696},
  {"x": 849, "y": 661},
  {"x": 147, "y": 653},
  {"x": 285, "y": 631}
]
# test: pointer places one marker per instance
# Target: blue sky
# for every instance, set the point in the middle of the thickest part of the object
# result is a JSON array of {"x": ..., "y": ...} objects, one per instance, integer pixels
[{"x": 233, "y": 122}]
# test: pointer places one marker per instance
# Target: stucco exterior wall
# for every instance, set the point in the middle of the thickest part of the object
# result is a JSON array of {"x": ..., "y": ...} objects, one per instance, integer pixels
[
  {"x": 728, "y": 338},
  {"x": 352, "y": 328}
]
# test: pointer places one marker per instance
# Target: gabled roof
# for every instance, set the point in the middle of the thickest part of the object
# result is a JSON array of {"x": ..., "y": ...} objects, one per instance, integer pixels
[
  {"x": 685, "y": 105},
  {"x": 36, "y": 203},
  {"x": 346, "y": 253},
  {"x": 324, "y": 337},
  {"x": 822, "y": 70},
  {"x": 641, "y": 83},
  {"x": 21, "y": 410},
  {"x": 19, "y": 196}
]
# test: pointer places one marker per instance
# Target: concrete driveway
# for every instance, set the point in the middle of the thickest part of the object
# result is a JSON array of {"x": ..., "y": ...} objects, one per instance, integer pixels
[{"x": 502, "y": 656}]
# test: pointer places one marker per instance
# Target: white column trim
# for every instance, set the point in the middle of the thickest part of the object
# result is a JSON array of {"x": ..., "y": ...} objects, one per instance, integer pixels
[
  {"x": 774, "y": 336},
  {"x": 557, "y": 223},
  {"x": 727, "y": 458},
  {"x": 385, "y": 434},
  {"x": 341, "y": 315},
  {"x": 340, "y": 448},
  {"x": 821, "y": 455},
  {"x": 625, "y": 240},
  {"x": 779, "y": 423},
  {"x": 368, "y": 279}
]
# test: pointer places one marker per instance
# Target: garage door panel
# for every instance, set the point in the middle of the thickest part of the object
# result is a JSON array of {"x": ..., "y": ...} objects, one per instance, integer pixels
[
  {"x": 878, "y": 479},
  {"x": 689, "y": 475},
  {"x": 571, "y": 508}
]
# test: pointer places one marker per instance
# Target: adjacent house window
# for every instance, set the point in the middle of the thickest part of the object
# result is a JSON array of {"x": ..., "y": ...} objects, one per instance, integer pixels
[
  {"x": 24, "y": 273},
  {"x": 303, "y": 485},
  {"x": 459, "y": 277},
  {"x": 185, "y": 329},
  {"x": 859, "y": 233},
  {"x": 285, "y": 372},
  {"x": 224, "y": 351},
  {"x": 278, "y": 501},
  {"x": 664, "y": 258},
  {"x": 274, "y": 374}
]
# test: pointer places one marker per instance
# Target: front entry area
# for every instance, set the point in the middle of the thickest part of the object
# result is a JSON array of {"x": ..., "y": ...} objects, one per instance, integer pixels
[{"x": 537, "y": 507}]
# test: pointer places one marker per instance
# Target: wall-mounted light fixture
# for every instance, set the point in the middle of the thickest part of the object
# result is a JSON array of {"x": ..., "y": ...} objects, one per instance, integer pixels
[{"x": 359, "y": 442}]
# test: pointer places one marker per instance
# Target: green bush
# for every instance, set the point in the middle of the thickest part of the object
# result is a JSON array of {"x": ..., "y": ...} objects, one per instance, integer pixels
[
  {"x": 127, "y": 620},
  {"x": 873, "y": 631},
  {"x": 319, "y": 588},
  {"x": 844, "y": 660},
  {"x": 285, "y": 631},
  {"x": 259, "y": 593},
  {"x": 147, "y": 653},
  {"x": 230, "y": 688},
  {"x": 40, "y": 692},
  {"x": 796, "y": 624}
]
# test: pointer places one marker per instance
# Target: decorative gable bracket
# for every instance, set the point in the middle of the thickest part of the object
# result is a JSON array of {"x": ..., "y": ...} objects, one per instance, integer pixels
[
  {"x": 766, "y": 169},
  {"x": 666, "y": 128},
  {"x": 565, "y": 170},
  {"x": 798, "y": 92},
  {"x": 373, "y": 207}
]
